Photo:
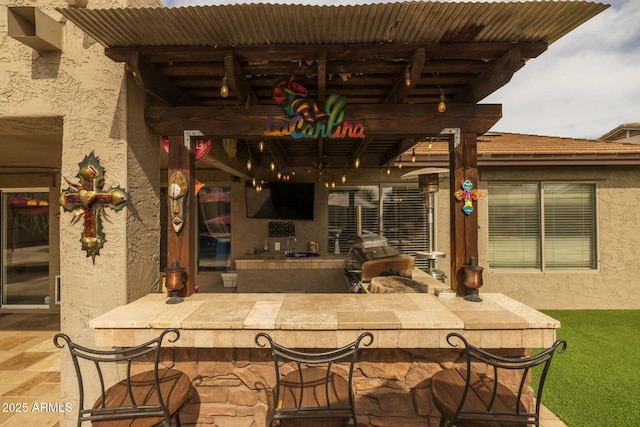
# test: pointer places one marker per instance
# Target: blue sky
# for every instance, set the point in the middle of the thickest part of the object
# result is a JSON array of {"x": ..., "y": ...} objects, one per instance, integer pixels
[{"x": 584, "y": 85}]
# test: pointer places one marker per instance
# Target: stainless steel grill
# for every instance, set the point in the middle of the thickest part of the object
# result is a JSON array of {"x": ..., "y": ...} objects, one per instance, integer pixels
[{"x": 369, "y": 256}]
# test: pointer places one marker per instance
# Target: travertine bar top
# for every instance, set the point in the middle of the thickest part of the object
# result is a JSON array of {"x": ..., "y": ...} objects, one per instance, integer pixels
[{"x": 401, "y": 320}]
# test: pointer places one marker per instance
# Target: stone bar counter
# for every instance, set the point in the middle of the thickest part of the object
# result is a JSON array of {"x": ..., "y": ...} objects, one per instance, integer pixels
[
  {"x": 273, "y": 272},
  {"x": 233, "y": 378}
]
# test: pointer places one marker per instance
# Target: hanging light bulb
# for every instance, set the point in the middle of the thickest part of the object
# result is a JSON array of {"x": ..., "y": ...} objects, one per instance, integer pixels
[
  {"x": 442, "y": 106},
  {"x": 400, "y": 162},
  {"x": 407, "y": 78},
  {"x": 333, "y": 184},
  {"x": 249, "y": 164},
  {"x": 254, "y": 182},
  {"x": 413, "y": 156},
  {"x": 344, "y": 178},
  {"x": 356, "y": 164},
  {"x": 279, "y": 175},
  {"x": 272, "y": 165},
  {"x": 326, "y": 184},
  {"x": 224, "y": 89},
  {"x": 293, "y": 172},
  {"x": 261, "y": 146},
  {"x": 388, "y": 169},
  {"x": 430, "y": 144}
]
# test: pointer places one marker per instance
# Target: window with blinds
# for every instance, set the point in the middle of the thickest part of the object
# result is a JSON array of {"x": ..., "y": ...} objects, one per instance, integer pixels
[
  {"x": 542, "y": 226},
  {"x": 405, "y": 221},
  {"x": 343, "y": 204},
  {"x": 399, "y": 213},
  {"x": 569, "y": 225}
]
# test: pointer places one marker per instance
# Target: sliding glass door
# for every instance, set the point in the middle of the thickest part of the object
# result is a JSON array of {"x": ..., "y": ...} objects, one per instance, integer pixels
[{"x": 24, "y": 253}]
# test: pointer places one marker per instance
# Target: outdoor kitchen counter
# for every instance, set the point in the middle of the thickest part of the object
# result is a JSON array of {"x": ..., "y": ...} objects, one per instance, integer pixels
[
  {"x": 271, "y": 261},
  {"x": 400, "y": 320},
  {"x": 275, "y": 272}
]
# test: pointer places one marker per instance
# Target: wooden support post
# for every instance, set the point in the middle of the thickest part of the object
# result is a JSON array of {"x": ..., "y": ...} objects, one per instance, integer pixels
[
  {"x": 182, "y": 245},
  {"x": 463, "y": 151}
]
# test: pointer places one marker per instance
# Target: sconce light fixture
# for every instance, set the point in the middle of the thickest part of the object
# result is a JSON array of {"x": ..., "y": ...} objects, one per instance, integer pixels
[
  {"x": 442, "y": 106},
  {"x": 224, "y": 88}
]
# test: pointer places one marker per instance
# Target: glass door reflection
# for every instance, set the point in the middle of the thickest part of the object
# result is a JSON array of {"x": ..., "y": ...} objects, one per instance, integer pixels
[{"x": 25, "y": 247}]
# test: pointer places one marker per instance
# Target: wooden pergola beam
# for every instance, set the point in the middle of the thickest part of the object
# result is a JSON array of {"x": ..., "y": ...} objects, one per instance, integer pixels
[
  {"x": 493, "y": 78},
  {"x": 355, "y": 52},
  {"x": 154, "y": 82},
  {"x": 240, "y": 86},
  {"x": 379, "y": 120},
  {"x": 402, "y": 88}
]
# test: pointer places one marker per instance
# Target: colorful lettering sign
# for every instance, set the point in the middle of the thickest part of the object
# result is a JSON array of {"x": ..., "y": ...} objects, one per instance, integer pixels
[{"x": 306, "y": 118}]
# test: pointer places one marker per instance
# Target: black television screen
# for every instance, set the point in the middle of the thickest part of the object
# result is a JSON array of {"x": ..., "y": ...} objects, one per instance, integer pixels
[{"x": 281, "y": 200}]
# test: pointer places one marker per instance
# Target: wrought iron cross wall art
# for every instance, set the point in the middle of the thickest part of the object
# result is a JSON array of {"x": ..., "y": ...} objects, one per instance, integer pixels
[
  {"x": 90, "y": 199},
  {"x": 468, "y": 194}
]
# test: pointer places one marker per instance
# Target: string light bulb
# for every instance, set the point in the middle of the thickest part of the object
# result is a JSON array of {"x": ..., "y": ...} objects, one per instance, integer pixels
[
  {"x": 356, "y": 164},
  {"x": 388, "y": 169},
  {"x": 224, "y": 88},
  {"x": 442, "y": 106},
  {"x": 254, "y": 182},
  {"x": 344, "y": 178},
  {"x": 249, "y": 164},
  {"x": 272, "y": 166},
  {"x": 400, "y": 162},
  {"x": 261, "y": 146},
  {"x": 413, "y": 156},
  {"x": 407, "y": 78}
]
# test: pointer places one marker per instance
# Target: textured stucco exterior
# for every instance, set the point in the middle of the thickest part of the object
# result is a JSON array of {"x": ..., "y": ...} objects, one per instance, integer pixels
[
  {"x": 101, "y": 112},
  {"x": 610, "y": 286}
]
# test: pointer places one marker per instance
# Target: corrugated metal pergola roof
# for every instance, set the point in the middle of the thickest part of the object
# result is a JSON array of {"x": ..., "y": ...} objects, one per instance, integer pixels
[
  {"x": 404, "y": 22},
  {"x": 461, "y": 52}
]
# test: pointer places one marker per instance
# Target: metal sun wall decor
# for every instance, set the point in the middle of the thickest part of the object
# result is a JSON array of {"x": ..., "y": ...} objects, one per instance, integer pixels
[
  {"x": 307, "y": 120},
  {"x": 89, "y": 198},
  {"x": 468, "y": 194}
]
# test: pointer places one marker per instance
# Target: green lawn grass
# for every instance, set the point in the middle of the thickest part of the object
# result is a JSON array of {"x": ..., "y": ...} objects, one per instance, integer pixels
[{"x": 596, "y": 381}]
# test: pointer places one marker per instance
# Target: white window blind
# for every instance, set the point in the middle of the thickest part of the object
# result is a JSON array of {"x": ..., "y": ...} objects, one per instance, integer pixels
[
  {"x": 342, "y": 213},
  {"x": 404, "y": 216},
  {"x": 552, "y": 222},
  {"x": 405, "y": 221},
  {"x": 569, "y": 225},
  {"x": 514, "y": 225}
]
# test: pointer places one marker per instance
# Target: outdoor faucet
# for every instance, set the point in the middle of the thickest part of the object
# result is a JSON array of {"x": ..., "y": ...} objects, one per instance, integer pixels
[{"x": 290, "y": 248}]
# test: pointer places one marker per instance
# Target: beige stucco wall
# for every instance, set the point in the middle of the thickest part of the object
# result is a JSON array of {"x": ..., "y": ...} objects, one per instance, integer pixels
[
  {"x": 101, "y": 111},
  {"x": 611, "y": 286},
  {"x": 615, "y": 282}
]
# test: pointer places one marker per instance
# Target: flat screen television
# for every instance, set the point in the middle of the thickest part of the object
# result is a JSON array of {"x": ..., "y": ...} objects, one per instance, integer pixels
[{"x": 281, "y": 200}]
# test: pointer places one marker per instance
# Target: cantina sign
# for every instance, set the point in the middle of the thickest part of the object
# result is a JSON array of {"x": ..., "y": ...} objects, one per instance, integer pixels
[{"x": 306, "y": 119}]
